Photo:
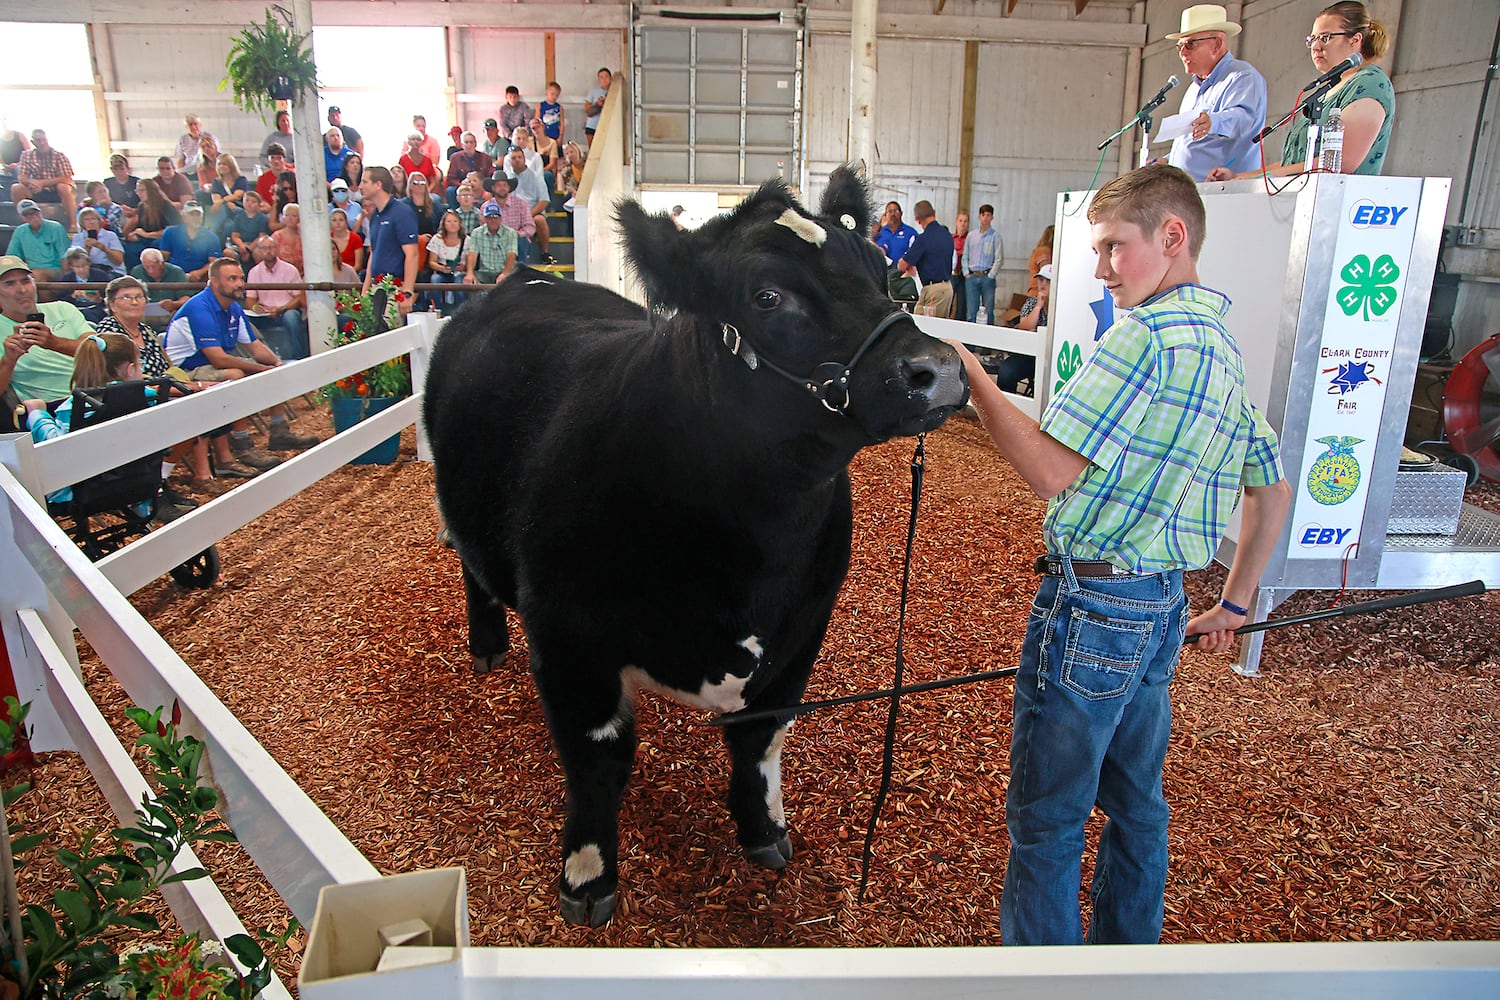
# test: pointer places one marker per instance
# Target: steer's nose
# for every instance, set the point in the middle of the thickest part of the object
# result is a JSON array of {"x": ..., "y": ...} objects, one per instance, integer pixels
[{"x": 937, "y": 374}]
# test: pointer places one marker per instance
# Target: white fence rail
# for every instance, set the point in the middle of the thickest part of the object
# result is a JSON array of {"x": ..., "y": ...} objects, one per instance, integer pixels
[{"x": 48, "y": 589}]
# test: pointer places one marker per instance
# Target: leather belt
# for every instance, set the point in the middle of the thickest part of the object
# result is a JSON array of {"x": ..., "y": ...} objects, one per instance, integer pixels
[{"x": 1053, "y": 566}]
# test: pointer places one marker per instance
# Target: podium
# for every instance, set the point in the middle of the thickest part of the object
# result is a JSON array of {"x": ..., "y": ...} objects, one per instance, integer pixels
[{"x": 1329, "y": 279}]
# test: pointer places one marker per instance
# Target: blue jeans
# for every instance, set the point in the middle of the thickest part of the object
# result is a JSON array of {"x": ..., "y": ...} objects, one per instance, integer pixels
[
  {"x": 285, "y": 334},
  {"x": 977, "y": 289},
  {"x": 1092, "y": 717}
]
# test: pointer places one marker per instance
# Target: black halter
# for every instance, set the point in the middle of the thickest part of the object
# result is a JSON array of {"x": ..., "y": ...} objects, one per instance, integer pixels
[{"x": 829, "y": 382}]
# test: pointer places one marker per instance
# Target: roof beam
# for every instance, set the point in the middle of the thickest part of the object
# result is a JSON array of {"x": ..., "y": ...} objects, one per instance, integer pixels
[{"x": 406, "y": 13}]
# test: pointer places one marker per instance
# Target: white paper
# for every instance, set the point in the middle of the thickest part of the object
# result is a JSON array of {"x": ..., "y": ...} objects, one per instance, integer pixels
[{"x": 1174, "y": 125}]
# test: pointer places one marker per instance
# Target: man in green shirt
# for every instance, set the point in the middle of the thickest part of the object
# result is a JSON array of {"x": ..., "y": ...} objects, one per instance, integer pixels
[
  {"x": 37, "y": 362},
  {"x": 40, "y": 242},
  {"x": 490, "y": 253},
  {"x": 162, "y": 302}
]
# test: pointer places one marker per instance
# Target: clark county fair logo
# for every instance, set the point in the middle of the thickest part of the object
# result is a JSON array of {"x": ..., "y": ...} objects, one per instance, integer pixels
[
  {"x": 1370, "y": 288},
  {"x": 1335, "y": 476}
]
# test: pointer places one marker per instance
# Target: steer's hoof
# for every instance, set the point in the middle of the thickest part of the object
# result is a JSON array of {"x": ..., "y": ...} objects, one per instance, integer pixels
[
  {"x": 586, "y": 912},
  {"x": 774, "y": 856},
  {"x": 484, "y": 664}
]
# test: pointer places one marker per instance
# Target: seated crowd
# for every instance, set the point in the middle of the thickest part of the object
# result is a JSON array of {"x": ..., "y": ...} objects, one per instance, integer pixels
[{"x": 465, "y": 216}]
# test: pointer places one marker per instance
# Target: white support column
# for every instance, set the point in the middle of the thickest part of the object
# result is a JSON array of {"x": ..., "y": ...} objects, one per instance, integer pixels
[
  {"x": 862, "y": 85},
  {"x": 312, "y": 199}
]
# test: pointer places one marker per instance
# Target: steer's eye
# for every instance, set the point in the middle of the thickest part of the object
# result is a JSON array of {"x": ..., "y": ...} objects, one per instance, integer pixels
[{"x": 767, "y": 298}]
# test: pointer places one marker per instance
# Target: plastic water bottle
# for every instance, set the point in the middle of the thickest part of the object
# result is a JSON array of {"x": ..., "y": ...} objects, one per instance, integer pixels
[
  {"x": 1331, "y": 154},
  {"x": 981, "y": 317}
]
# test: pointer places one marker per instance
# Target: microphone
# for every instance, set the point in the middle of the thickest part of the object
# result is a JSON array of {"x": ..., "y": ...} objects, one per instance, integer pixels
[
  {"x": 1337, "y": 71},
  {"x": 1161, "y": 95}
]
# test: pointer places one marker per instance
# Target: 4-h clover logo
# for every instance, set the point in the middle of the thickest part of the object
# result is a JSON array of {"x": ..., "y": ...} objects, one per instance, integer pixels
[
  {"x": 1069, "y": 360},
  {"x": 1371, "y": 287}
]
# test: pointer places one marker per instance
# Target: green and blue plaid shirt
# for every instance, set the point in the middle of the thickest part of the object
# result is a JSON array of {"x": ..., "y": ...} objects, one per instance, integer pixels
[{"x": 1160, "y": 412}]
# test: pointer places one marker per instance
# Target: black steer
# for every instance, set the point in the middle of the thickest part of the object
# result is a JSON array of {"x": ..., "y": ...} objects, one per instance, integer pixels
[{"x": 663, "y": 494}]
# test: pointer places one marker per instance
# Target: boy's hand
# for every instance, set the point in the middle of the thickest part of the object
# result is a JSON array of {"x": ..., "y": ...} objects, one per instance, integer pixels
[{"x": 1215, "y": 627}]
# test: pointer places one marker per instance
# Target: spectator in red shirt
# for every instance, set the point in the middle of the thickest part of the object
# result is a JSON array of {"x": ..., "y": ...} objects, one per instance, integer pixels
[
  {"x": 466, "y": 161},
  {"x": 265, "y": 184},
  {"x": 416, "y": 161}
]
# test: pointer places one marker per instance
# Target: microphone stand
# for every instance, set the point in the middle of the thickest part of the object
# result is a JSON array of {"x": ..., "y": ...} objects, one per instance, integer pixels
[{"x": 1143, "y": 119}]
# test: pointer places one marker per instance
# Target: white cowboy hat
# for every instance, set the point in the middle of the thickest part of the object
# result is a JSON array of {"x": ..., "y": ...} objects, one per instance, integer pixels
[{"x": 1206, "y": 17}]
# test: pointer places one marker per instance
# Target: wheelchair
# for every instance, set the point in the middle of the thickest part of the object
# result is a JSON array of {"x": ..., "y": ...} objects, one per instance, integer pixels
[{"x": 106, "y": 511}]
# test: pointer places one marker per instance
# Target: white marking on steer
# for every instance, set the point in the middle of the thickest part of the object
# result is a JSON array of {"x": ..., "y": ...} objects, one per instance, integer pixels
[
  {"x": 612, "y": 729},
  {"x": 803, "y": 227},
  {"x": 726, "y": 695},
  {"x": 751, "y": 643},
  {"x": 583, "y": 865},
  {"x": 538, "y": 281},
  {"x": 770, "y": 769}
]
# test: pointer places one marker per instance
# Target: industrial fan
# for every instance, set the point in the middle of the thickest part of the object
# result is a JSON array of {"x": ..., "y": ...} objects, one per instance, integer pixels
[{"x": 1471, "y": 408}]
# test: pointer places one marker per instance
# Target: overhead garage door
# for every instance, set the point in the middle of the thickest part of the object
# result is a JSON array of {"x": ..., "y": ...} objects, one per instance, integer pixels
[{"x": 717, "y": 103}]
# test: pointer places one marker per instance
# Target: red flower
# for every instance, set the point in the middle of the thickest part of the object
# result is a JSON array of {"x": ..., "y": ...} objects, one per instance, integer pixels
[
  {"x": 357, "y": 306},
  {"x": 400, "y": 296},
  {"x": 348, "y": 325},
  {"x": 364, "y": 390}
]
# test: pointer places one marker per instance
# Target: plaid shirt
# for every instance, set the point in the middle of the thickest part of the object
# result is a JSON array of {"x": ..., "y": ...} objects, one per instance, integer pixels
[
  {"x": 1160, "y": 412},
  {"x": 37, "y": 165},
  {"x": 516, "y": 213},
  {"x": 492, "y": 248},
  {"x": 470, "y": 218}
]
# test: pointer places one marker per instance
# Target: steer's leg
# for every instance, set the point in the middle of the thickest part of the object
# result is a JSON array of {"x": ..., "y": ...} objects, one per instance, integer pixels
[
  {"x": 488, "y": 639},
  {"x": 593, "y": 730}
]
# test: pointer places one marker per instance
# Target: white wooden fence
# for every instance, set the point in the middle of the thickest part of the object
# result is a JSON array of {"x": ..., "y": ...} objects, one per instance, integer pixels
[{"x": 48, "y": 590}]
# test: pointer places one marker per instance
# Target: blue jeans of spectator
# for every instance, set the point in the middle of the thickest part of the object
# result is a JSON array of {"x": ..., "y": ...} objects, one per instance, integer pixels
[
  {"x": 980, "y": 288},
  {"x": 445, "y": 300},
  {"x": 285, "y": 334},
  {"x": 1092, "y": 717},
  {"x": 523, "y": 250}
]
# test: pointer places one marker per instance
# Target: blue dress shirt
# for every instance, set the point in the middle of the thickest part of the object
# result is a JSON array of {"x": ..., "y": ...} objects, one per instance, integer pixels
[{"x": 1234, "y": 95}]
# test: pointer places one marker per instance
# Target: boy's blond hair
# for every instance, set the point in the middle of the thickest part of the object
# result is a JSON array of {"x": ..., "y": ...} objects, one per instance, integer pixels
[{"x": 1148, "y": 197}]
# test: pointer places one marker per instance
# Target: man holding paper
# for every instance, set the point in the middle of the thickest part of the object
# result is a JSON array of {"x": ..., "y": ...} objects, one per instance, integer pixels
[{"x": 1225, "y": 104}]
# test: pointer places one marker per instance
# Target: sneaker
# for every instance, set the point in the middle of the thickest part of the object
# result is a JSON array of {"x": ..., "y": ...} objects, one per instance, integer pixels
[
  {"x": 257, "y": 459},
  {"x": 166, "y": 513},
  {"x": 210, "y": 487},
  {"x": 282, "y": 439},
  {"x": 547, "y": 258},
  {"x": 235, "y": 470},
  {"x": 172, "y": 496}
]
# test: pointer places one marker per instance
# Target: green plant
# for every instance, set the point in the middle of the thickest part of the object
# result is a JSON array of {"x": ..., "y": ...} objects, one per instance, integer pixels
[
  {"x": 360, "y": 318},
  {"x": 64, "y": 949},
  {"x": 268, "y": 61}
]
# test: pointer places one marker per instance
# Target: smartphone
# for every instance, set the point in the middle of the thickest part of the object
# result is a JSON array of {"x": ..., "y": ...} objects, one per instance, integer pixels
[
  {"x": 93, "y": 234},
  {"x": 35, "y": 318}
]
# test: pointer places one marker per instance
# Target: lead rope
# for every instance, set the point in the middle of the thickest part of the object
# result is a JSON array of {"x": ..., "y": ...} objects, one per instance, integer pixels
[{"x": 917, "y": 460}]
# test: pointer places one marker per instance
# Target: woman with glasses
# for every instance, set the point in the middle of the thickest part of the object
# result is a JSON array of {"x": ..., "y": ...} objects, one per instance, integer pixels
[
  {"x": 286, "y": 194},
  {"x": 1363, "y": 95},
  {"x": 125, "y": 313}
]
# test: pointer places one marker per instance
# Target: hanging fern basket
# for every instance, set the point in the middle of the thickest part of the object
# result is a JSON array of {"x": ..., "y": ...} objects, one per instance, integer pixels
[{"x": 269, "y": 62}]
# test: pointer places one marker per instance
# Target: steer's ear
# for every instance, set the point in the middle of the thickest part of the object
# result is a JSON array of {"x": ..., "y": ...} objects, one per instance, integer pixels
[
  {"x": 845, "y": 200},
  {"x": 662, "y": 256}
]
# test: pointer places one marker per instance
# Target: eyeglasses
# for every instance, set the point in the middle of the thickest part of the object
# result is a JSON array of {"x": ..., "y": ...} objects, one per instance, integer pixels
[
  {"x": 1324, "y": 38},
  {"x": 1187, "y": 44},
  {"x": 130, "y": 297}
]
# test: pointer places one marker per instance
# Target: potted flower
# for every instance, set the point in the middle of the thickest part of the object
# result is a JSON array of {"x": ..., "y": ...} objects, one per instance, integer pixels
[
  {"x": 268, "y": 63},
  {"x": 365, "y": 393}
]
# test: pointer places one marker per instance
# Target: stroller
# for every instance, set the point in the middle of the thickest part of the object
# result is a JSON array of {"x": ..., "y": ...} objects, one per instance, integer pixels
[{"x": 115, "y": 507}]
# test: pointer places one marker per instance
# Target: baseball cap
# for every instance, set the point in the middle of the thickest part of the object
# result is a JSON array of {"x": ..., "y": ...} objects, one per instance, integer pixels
[
  {"x": 335, "y": 110},
  {"x": 456, "y": 130},
  {"x": 27, "y": 205},
  {"x": 491, "y": 123},
  {"x": 193, "y": 206},
  {"x": 339, "y": 184},
  {"x": 10, "y": 262},
  {"x": 1045, "y": 271},
  {"x": 489, "y": 210}
]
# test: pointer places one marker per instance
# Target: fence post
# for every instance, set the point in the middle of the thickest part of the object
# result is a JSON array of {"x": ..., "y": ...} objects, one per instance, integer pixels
[{"x": 20, "y": 587}]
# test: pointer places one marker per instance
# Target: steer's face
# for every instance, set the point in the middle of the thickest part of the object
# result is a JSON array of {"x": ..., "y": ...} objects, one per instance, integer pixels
[{"x": 805, "y": 294}]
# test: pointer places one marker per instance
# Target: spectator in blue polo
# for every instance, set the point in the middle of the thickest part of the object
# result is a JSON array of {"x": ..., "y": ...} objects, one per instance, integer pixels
[
  {"x": 191, "y": 245},
  {"x": 930, "y": 259},
  {"x": 894, "y": 237}
]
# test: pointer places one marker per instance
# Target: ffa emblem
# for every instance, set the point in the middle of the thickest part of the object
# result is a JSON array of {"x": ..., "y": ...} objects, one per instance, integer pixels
[{"x": 1335, "y": 475}]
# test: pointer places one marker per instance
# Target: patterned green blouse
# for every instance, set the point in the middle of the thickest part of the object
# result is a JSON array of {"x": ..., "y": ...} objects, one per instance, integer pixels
[{"x": 1367, "y": 81}]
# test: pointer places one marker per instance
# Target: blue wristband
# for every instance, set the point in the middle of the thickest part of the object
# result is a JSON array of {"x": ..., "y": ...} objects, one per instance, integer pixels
[{"x": 1227, "y": 606}]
